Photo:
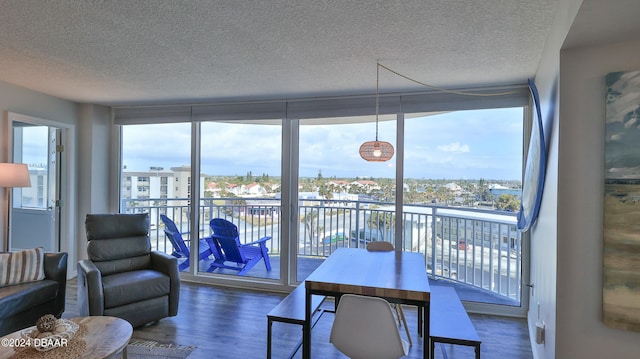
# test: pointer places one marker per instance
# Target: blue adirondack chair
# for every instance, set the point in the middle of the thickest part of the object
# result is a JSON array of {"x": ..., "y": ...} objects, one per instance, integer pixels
[
  {"x": 225, "y": 240},
  {"x": 180, "y": 249}
]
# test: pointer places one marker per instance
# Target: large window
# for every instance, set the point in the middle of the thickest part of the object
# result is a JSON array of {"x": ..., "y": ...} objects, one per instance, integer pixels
[
  {"x": 338, "y": 189},
  {"x": 462, "y": 185},
  {"x": 301, "y": 181},
  {"x": 240, "y": 165},
  {"x": 153, "y": 156}
]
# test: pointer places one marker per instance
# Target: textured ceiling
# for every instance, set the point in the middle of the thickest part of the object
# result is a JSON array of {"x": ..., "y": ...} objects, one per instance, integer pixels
[{"x": 142, "y": 52}]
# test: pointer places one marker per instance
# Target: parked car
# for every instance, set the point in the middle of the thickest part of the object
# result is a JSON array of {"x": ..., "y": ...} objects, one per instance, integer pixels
[
  {"x": 334, "y": 238},
  {"x": 365, "y": 235},
  {"x": 460, "y": 244}
]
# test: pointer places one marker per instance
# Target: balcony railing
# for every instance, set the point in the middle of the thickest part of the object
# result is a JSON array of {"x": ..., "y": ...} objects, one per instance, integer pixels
[{"x": 480, "y": 248}]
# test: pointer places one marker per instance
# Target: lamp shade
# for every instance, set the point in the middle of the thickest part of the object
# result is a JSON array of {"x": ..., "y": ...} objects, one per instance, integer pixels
[
  {"x": 376, "y": 151},
  {"x": 14, "y": 175}
]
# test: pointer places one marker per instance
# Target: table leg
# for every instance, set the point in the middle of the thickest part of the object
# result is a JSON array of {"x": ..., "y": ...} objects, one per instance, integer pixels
[
  {"x": 269, "y": 325},
  {"x": 306, "y": 326},
  {"x": 420, "y": 320},
  {"x": 426, "y": 333},
  {"x": 124, "y": 352}
]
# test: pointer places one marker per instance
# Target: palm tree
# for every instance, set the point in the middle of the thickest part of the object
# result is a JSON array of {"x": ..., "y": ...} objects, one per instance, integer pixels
[
  {"x": 508, "y": 202},
  {"x": 383, "y": 221},
  {"x": 310, "y": 220}
]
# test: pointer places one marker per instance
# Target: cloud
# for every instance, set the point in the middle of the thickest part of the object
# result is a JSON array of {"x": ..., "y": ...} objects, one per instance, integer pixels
[
  {"x": 436, "y": 146},
  {"x": 454, "y": 147}
]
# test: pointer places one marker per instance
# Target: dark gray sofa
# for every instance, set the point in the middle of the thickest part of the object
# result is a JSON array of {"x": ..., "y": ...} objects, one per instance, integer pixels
[
  {"x": 123, "y": 277},
  {"x": 22, "y": 304}
]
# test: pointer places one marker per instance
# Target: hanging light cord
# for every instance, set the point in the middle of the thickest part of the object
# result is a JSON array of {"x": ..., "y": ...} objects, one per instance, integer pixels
[
  {"x": 465, "y": 93},
  {"x": 377, "y": 96}
]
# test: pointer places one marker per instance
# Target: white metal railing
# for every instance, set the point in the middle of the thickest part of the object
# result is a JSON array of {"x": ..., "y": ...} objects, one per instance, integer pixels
[{"x": 481, "y": 248}]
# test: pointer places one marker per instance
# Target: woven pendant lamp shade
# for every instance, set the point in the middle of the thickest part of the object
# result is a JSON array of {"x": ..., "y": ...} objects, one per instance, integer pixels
[{"x": 376, "y": 151}]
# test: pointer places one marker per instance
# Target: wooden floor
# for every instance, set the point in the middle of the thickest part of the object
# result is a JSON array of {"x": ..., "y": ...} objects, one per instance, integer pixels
[
  {"x": 231, "y": 323},
  {"x": 307, "y": 264}
]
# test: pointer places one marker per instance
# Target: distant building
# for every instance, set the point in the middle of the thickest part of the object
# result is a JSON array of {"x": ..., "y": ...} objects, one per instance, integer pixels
[
  {"x": 158, "y": 183},
  {"x": 35, "y": 196},
  {"x": 453, "y": 187},
  {"x": 367, "y": 185}
]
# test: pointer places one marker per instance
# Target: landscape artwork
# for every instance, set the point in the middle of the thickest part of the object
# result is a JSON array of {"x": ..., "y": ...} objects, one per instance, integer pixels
[{"x": 621, "y": 262}]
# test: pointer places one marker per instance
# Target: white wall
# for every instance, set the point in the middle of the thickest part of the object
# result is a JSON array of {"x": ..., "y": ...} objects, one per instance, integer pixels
[
  {"x": 95, "y": 164},
  {"x": 91, "y": 159},
  {"x": 543, "y": 235},
  {"x": 19, "y": 100},
  {"x": 580, "y": 330}
]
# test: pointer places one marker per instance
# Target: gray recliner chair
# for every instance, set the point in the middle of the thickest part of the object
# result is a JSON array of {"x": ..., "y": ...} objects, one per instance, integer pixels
[{"x": 123, "y": 277}]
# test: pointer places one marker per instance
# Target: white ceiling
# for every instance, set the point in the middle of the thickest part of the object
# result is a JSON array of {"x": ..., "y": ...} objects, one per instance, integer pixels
[{"x": 141, "y": 52}]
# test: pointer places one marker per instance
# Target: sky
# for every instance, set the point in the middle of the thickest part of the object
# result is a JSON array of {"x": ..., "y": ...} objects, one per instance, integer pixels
[
  {"x": 34, "y": 146},
  {"x": 457, "y": 145}
]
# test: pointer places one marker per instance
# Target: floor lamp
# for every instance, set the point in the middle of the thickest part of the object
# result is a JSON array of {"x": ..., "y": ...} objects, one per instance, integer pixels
[{"x": 12, "y": 175}]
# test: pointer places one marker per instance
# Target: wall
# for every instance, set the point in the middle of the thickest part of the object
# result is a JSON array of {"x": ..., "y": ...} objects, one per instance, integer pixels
[
  {"x": 91, "y": 158},
  {"x": 543, "y": 235},
  {"x": 580, "y": 331},
  {"x": 19, "y": 100},
  {"x": 94, "y": 157}
]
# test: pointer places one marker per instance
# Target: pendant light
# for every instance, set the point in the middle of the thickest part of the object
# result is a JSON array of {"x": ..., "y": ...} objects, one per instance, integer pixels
[{"x": 376, "y": 151}]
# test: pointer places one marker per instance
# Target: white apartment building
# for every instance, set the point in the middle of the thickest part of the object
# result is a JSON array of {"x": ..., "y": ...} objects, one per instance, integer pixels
[{"x": 159, "y": 183}]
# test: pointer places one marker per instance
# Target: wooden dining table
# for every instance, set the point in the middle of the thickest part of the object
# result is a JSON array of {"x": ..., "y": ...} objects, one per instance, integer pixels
[{"x": 399, "y": 277}]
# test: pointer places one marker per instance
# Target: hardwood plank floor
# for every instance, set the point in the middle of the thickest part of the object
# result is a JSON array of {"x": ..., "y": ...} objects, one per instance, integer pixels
[{"x": 231, "y": 323}]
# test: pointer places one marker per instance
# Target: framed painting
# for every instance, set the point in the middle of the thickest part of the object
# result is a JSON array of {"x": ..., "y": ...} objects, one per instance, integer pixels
[{"x": 621, "y": 249}]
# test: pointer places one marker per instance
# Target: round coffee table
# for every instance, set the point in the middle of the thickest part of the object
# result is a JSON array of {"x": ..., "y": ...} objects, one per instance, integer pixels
[{"x": 105, "y": 336}]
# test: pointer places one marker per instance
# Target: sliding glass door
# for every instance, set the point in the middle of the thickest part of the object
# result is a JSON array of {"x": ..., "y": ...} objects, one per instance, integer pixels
[
  {"x": 240, "y": 169},
  {"x": 450, "y": 192},
  {"x": 156, "y": 178},
  {"x": 343, "y": 200},
  {"x": 462, "y": 188}
]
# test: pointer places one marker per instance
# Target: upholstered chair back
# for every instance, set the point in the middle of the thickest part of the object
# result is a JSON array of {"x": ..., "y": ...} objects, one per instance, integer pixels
[{"x": 118, "y": 242}]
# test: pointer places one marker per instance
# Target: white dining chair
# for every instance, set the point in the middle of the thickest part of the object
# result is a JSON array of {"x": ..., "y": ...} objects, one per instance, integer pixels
[
  {"x": 365, "y": 328},
  {"x": 382, "y": 246}
]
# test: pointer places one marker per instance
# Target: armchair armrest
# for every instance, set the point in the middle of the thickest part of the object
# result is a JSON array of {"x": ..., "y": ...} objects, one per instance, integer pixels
[
  {"x": 213, "y": 246},
  {"x": 164, "y": 263},
  {"x": 168, "y": 265},
  {"x": 259, "y": 241},
  {"x": 90, "y": 295},
  {"x": 55, "y": 268}
]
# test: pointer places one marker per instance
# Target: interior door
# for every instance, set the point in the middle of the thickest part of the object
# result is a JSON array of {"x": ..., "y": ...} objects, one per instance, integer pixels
[{"x": 34, "y": 216}]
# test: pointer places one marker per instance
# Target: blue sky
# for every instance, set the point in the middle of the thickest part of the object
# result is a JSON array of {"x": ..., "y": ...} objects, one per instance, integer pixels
[{"x": 464, "y": 144}]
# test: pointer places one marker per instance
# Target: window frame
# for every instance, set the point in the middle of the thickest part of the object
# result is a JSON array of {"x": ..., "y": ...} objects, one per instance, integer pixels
[{"x": 291, "y": 112}]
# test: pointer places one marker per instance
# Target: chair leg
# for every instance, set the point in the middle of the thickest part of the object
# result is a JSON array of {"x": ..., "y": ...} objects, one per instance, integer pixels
[
  {"x": 398, "y": 316},
  {"x": 184, "y": 265},
  {"x": 404, "y": 321},
  {"x": 252, "y": 262},
  {"x": 265, "y": 256}
]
